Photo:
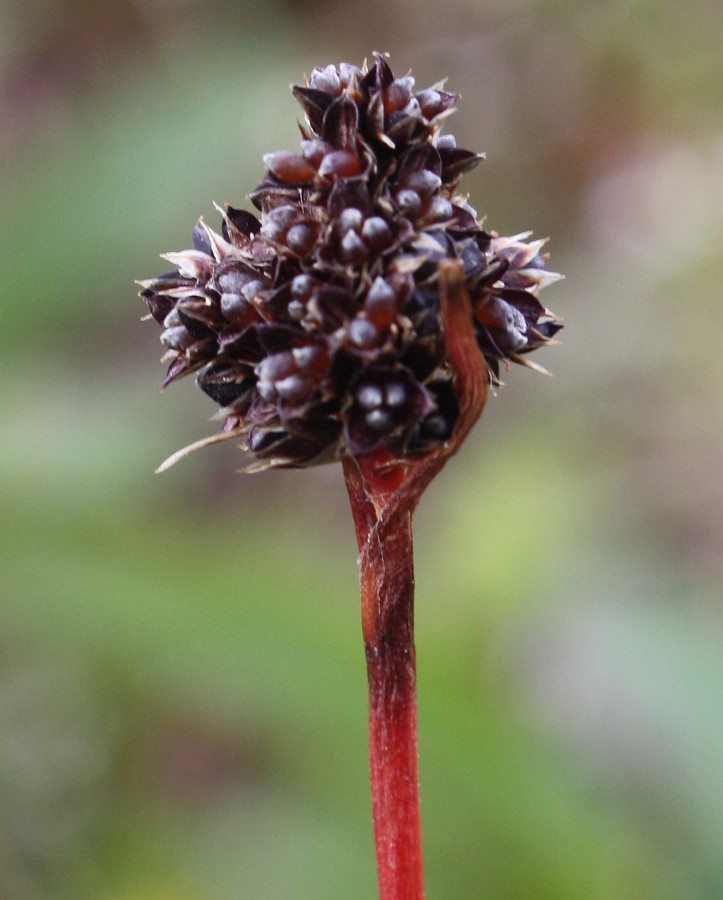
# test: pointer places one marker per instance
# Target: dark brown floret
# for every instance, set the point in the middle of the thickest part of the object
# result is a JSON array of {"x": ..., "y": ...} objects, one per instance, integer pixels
[{"x": 316, "y": 327}]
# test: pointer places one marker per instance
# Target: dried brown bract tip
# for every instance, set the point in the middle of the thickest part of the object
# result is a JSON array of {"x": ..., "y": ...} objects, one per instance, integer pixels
[{"x": 316, "y": 325}]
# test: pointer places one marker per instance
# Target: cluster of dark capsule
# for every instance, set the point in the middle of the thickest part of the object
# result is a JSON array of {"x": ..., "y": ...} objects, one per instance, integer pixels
[{"x": 315, "y": 327}]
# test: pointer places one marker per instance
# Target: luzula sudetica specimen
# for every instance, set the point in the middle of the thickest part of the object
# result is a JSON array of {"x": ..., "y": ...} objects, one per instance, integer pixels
[{"x": 360, "y": 317}]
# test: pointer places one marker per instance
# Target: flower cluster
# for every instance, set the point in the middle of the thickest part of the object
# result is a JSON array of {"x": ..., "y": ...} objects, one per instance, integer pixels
[{"x": 316, "y": 326}]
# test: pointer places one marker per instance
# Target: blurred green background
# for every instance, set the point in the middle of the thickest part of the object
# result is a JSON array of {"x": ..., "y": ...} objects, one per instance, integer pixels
[{"x": 182, "y": 687}]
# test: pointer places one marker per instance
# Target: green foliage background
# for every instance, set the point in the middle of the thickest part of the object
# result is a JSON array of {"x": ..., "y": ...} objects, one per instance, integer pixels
[{"x": 182, "y": 693}]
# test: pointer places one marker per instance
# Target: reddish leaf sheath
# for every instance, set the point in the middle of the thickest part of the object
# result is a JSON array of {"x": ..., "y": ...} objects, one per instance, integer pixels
[{"x": 384, "y": 492}]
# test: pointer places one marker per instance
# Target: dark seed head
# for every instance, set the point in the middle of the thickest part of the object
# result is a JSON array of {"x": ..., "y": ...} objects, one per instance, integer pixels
[{"x": 316, "y": 327}]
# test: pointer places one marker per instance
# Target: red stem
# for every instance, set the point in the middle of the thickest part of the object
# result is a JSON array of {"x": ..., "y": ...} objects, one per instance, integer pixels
[
  {"x": 387, "y": 594},
  {"x": 384, "y": 493}
]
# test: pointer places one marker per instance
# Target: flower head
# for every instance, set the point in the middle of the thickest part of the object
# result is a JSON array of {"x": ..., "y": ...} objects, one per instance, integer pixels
[{"x": 316, "y": 326}]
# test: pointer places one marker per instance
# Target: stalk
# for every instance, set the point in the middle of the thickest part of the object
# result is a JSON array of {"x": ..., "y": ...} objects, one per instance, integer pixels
[
  {"x": 387, "y": 602},
  {"x": 384, "y": 493}
]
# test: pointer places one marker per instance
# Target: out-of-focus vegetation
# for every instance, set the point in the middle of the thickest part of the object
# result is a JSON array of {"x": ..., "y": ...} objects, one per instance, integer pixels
[{"x": 182, "y": 688}]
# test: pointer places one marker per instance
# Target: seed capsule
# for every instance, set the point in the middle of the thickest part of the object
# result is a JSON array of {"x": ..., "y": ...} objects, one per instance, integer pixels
[
  {"x": 353, "y": 250},
  {"x": 301, "y": 238},
  {"x": 289, "y": 168},
  {"x": 376, "y": 234},
  {"x": 340, "y": 164},
  {"x": 363, "y": 333}
]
